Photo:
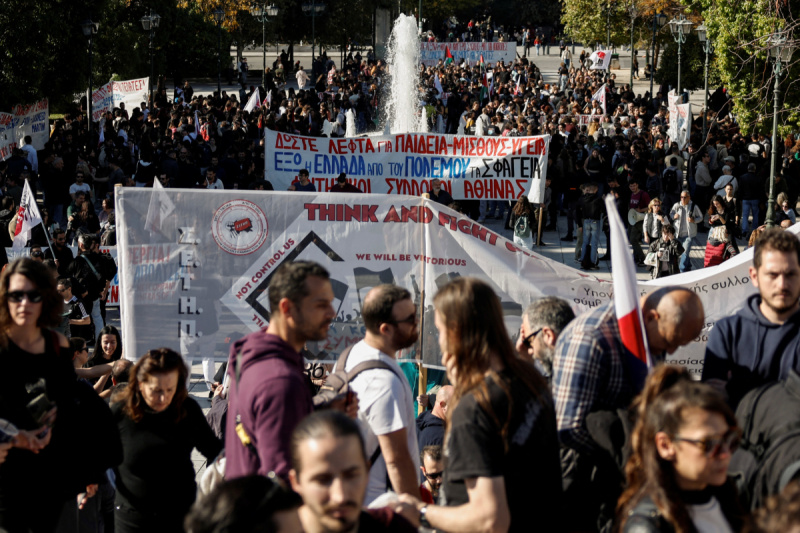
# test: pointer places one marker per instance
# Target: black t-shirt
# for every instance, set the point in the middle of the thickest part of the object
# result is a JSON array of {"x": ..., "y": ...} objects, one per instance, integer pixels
[{"x": 529, "y": 463}]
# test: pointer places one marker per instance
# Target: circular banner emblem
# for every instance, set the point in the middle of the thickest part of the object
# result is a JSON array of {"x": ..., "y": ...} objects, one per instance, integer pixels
[{"x": 239, "y": 227}]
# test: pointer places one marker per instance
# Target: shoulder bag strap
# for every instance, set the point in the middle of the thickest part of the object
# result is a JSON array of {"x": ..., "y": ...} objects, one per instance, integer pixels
[{"x": 94, "y": 270}]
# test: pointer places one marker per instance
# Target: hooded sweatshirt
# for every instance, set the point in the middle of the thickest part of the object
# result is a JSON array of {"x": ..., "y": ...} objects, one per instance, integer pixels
[
  {"x": 271, "y": 398},
  {"x": 748, "y": 351}
]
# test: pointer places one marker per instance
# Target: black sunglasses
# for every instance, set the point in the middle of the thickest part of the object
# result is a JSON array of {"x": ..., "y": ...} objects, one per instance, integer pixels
[
  {"x": 412, "y": 319},
  {"x": 527, "y": 340},
  {"x": 713, "y": 446},
  {"x": 434, "y": 475},
  {"x": 33, "y": 297}
]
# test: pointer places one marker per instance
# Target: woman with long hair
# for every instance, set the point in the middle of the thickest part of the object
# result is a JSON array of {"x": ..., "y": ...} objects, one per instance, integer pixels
[
  {"x": 654, "y": 219},
  {"x": 159, "y": 425},
  {"x": 108, "y": 347},
  {"x": 38, "y": 380},
  {"x": 681, "y": 446},
  {"x": 502, "y": 460},
  {"x": 523, "y": 215}
]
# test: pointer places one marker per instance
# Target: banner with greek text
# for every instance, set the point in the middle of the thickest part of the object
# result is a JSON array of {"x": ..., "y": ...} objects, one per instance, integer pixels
[
  {"x": 482, "y": 168},
  {"x": 431, "y": 53},
  {"x": 129, "y": 92},
  {"x": 7, "y": 139},
  {"x": 34, "y": 120},
  {"x": 199, "y": 280}
]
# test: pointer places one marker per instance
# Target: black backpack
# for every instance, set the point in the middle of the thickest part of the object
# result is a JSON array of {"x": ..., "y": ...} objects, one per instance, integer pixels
[
  {"x": 769, "y": 457},
  {"x": 670, "y": 181}
]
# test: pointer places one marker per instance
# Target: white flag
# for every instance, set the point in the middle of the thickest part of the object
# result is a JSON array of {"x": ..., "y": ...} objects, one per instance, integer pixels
[
  {"x": 161, "y": 206},
  {"x": 600, "y": 96},
  {"x": 253, "y": 102},
  {"x": 28, "y": 217},
  {"x": 600, "y": 60},
  {"x": 196, "y": 123},
  {"x": 437, "y": 83}
]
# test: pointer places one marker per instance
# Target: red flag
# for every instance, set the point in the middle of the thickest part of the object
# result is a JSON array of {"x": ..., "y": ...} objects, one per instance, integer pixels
[
  {"x": 448, "y": 57},
  {"x": 626, "y": 299}
]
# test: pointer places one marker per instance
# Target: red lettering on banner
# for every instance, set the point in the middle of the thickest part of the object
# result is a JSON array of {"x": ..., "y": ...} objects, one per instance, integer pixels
[
  {"x": 341, "y": 212},
  {"x": 413, "y": 214},
  {"x": 521, "y": 184},
  {"x": 392, "y": 215}
]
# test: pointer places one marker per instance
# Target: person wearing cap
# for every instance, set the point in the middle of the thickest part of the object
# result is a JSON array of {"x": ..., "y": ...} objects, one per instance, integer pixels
[{"x": 342, "y": 185}]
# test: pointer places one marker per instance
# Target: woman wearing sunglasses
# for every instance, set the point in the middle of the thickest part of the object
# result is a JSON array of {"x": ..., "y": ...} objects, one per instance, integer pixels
[
  {"x": 37, "y": 380},
  {"x": 681, "y": 446}
]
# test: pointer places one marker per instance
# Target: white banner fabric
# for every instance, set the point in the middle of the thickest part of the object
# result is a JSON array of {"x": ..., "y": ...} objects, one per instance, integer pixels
[
  {"x": 483, "y": 168},
  {"x": 431, "y": 53},
  {"x": 129, "y": 92},
  {"x": 199, "y": 281},
  {"x": 34, "y": 120},
  {"x": 7, "y": 139}
]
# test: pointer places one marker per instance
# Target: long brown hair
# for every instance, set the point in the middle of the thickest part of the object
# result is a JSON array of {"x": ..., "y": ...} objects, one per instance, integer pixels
[
  {"x": 522, "y": 207},
  {"x": 38, "y": 274},
  {"x": 668, "y": 392},
  {"x": 159, "y": 361},
  {"x": 473, "y": 316}
]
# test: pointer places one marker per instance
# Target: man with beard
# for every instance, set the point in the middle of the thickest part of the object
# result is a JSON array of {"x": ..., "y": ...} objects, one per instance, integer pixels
[
  {"x": 269, "y": 394},
  {"x": 330, "y": 472},
  {"x": 542, "y": 323},
  {"x": 761, "y": 342},
  {"x": 433, "y": 471},
  {"x": 386, "y": 404}
]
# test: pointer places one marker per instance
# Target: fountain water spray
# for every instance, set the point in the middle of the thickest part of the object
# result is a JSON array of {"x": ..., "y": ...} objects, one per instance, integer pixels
[
  {"x": 350, "y": 124},
  {"x": 402, "y": 101}
]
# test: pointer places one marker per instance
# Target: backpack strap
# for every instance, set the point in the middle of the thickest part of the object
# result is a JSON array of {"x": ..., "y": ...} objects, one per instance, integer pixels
[{"x": 94, "y": 270}]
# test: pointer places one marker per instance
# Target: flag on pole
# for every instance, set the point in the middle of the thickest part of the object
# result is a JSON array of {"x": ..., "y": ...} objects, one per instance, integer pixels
[
  {"x": 481, "y": 62},
  {"x": 626, "y": 297},
  {"x": 600, "y": 60},
  {"x": 600, "y": 96},
  {"x": 253, "y": 102},
  {"x": 161, "y": 207},
  {"x": 491, "y": 85},
  {"x": 196, "y": 123},
  {"x": 448, "y": 57},
  {"x": 516, "y": 89},
  {"x": 28, "y": 217},
  {"x": 437, "y": 83}
]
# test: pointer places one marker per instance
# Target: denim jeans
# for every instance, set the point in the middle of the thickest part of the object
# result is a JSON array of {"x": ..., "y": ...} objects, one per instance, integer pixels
[
  {"x": 685, "y": 264},
  {"x": 748, "y": 207},
  {"x": 591, "y": 237}
]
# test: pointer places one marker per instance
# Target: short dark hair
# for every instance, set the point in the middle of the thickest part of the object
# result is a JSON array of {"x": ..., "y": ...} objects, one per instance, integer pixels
[
  {"x": 321, "y": 424},
  {"x": 377, "y": 310},
  {"x": 550, "y": 311},
  {"x": 66, "y": 282},
  {"x": 245, "y": 504},
  {"x": 289, "y": 281},
  {"x": 120, "y": 370},
  {"x": 775, "y": 239},
  {"x": 434, "y": 451}
]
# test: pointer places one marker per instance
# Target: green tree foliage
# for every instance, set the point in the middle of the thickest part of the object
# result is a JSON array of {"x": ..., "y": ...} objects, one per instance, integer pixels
[
  {"x": 739, "y": 29},
  {"x": 45, "y": 54},
  {"x": 692, "y": 64}
]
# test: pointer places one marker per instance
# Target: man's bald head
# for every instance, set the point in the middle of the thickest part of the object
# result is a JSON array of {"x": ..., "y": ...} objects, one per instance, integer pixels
[
  {"x": 673, "y": 316},
  {"x": 442, "y": 401}
]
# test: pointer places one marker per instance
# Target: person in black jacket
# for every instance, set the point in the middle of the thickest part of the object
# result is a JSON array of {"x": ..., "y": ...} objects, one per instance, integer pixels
[
  {"x": 590, "y": 212},
  {"x": 159, "y": 425},
  {"x": 430, "y": 424},
  {"x": 681, "y": 447}
]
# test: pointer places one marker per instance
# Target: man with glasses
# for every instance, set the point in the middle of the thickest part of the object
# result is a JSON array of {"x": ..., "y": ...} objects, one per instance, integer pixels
[
  {"x": 385, "y": 400},
  {"x": 685, "y": 216},
  {"x": 542, "y": 323},
  {"x": 432, "y": 470}
]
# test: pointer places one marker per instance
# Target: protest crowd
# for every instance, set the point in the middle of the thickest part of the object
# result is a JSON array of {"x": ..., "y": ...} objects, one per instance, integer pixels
[{"x": 556, "y": 428}]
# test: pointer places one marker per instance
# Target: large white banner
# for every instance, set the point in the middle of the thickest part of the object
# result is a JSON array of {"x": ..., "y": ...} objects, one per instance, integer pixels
[
  {"x": 482, "y": 168},
  {"x": 199, "y": 280},
  {"x": 129, "y": 92},
  {"x": 431, "y": 53},
  {"x": 34, "y": 120}
]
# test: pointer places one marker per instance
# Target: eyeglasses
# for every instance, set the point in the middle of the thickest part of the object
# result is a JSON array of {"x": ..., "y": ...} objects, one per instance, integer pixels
[
  {"x": 434, "y": 475},
  {"x": 412, "y": 319},
  {"x": 684, "y": 196},
  {"x": 33, "y": 297},
  {"x": 527, "y": 340},
  {"x": 713, "y": 446}
]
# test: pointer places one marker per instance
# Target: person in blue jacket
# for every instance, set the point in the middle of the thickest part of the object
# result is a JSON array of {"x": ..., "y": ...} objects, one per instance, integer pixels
[{"x": 761, "y": 342}]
